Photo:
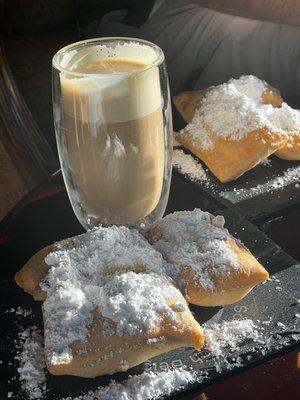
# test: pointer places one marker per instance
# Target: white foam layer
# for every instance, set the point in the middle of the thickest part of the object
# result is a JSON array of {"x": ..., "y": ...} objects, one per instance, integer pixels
[
  {"x": 125, "y": 51},
  {"x": 110, "y": 98}
]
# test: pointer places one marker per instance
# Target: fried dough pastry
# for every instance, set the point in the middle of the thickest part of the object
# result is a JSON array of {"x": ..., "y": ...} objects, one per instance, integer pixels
[
  {"x": 108, "y": 304},
  {"x": 138, "y": 316},
  {"x": 117, "y": 248},
  {"x": 209, "y": 266},
  {"x": 230, "y": 159},
  {"x": 281, "y": 130},
  {"x": 227, "y": 127}
]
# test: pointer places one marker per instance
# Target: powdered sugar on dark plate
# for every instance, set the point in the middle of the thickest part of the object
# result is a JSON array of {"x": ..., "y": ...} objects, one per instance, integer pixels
[
  {"x": 32, "y": 363},
  {"x": 188, "y": 165},
  {"x": 147, "y": 386},
  {"x": 235, "y": 195},
  {"x": 229, "y": 334}
]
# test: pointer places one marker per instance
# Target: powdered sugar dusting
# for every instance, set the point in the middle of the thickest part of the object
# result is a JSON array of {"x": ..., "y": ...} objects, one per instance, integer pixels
[
  {"x": 224, "y": 342},
  {"x": 229, "y": 334},
  {"x": 266, "y": 162},
  {"x": 227, "y": 113},
  {"x": 76, "y": 282},
  {"x": 148, "y": 385},
  {"x": 291, "y": 175},
  {"x": 195, "y": 239},
  {"x": 19, "y": 311},
  {"x": 99, "y": 250},
  {"x": 187, "y": 165},
  {"x": 234, "y": 109},
  {"x": 250, "y": 86},
  {"x": 285, "y": 118},
  {"x": 32, "y": 363},
  {"x": 137, "y": 303}
]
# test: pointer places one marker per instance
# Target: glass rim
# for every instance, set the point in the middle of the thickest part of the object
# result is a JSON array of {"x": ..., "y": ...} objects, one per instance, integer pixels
[{"x": 157, "y": 61}]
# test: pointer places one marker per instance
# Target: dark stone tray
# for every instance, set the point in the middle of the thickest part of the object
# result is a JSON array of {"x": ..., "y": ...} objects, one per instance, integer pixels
[
  {"x": 259, "y": 192},
  {"x": 50, "y": 219}
]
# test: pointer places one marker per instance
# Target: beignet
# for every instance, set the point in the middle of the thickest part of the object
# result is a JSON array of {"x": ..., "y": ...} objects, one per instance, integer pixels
[
  {"x": 103, "y": 330},
  {"x": 209, "y": 266},
  {"x": 108, "y": 304}
]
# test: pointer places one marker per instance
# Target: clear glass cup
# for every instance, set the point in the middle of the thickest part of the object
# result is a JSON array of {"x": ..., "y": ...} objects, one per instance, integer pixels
[{"x": 113, "y": 124}]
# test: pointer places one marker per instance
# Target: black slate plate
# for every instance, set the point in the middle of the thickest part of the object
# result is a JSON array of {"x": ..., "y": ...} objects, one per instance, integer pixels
[
  {"x": 259, "y": 192},
  {"x": 53, "y": 219}
]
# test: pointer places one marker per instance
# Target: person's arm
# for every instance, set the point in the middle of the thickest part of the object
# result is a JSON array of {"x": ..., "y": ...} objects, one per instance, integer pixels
[{"x": 280, "y": 11}]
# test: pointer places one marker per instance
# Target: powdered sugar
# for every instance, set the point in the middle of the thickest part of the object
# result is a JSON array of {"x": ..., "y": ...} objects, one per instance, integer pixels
[
  {"x": 19, "y": 311},
  {"x": 285, "y": 118},
  {"x": 291, "y": 175},
  {"x": 32, "y": 363},
  {"x": 250, "y": 86},
  {"x": 148, "y": 385},
  {"x": 137, "y": 303},
  {"x": 266, "y": 162},
  {"x": 99, "y": 251},
  {"x": 79, "y": 278},
  {"x": 195, "y": 239},
  {"x": 234, "y": 109},
  {"x": 187, "y": 165},
  {"x": 224, "y": 341},
  {"x": 229, "y": 334},
  {"x": 227, "y": 113}
]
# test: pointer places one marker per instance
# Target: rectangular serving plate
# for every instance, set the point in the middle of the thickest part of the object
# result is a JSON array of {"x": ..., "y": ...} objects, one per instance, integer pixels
[
  {"x": 261, "y": 191},
  {"x": 272, "y": 302}
]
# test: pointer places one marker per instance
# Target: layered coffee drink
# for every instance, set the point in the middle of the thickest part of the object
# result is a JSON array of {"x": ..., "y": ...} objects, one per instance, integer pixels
[{"x": 113, "y": 150}]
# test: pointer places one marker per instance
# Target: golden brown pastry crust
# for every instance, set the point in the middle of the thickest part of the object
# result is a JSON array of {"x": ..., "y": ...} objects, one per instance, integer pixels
[
  {"x": 291, "y": 150},
  {"x": 187, "y": 103},
  {"x": 230, "y": 289},
  {"x": 101, "y": 354},
  {"x": 227, "y": 290},
  {"x": 230, "y": 159},
  {"x": 33, "y": 272}
]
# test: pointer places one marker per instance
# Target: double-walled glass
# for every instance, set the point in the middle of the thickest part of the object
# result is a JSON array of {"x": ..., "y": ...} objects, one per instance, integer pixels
[{"x": 112, "y": 117}]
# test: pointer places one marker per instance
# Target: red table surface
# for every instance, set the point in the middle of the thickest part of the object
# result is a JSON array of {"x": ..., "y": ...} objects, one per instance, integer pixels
[{"x": 275, "y": 379}]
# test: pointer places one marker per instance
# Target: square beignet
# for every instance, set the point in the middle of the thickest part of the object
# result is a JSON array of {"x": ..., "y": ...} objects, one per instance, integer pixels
[
  {"x": 98, "y": 330},
  {"x": 230, "y": 133},
  {"x": 209, "y": 266},
  {"x": 108, "y": 303}
]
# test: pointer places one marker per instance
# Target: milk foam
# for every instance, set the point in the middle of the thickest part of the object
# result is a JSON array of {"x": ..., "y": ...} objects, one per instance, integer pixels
[{"x": 110, "y": 97}]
